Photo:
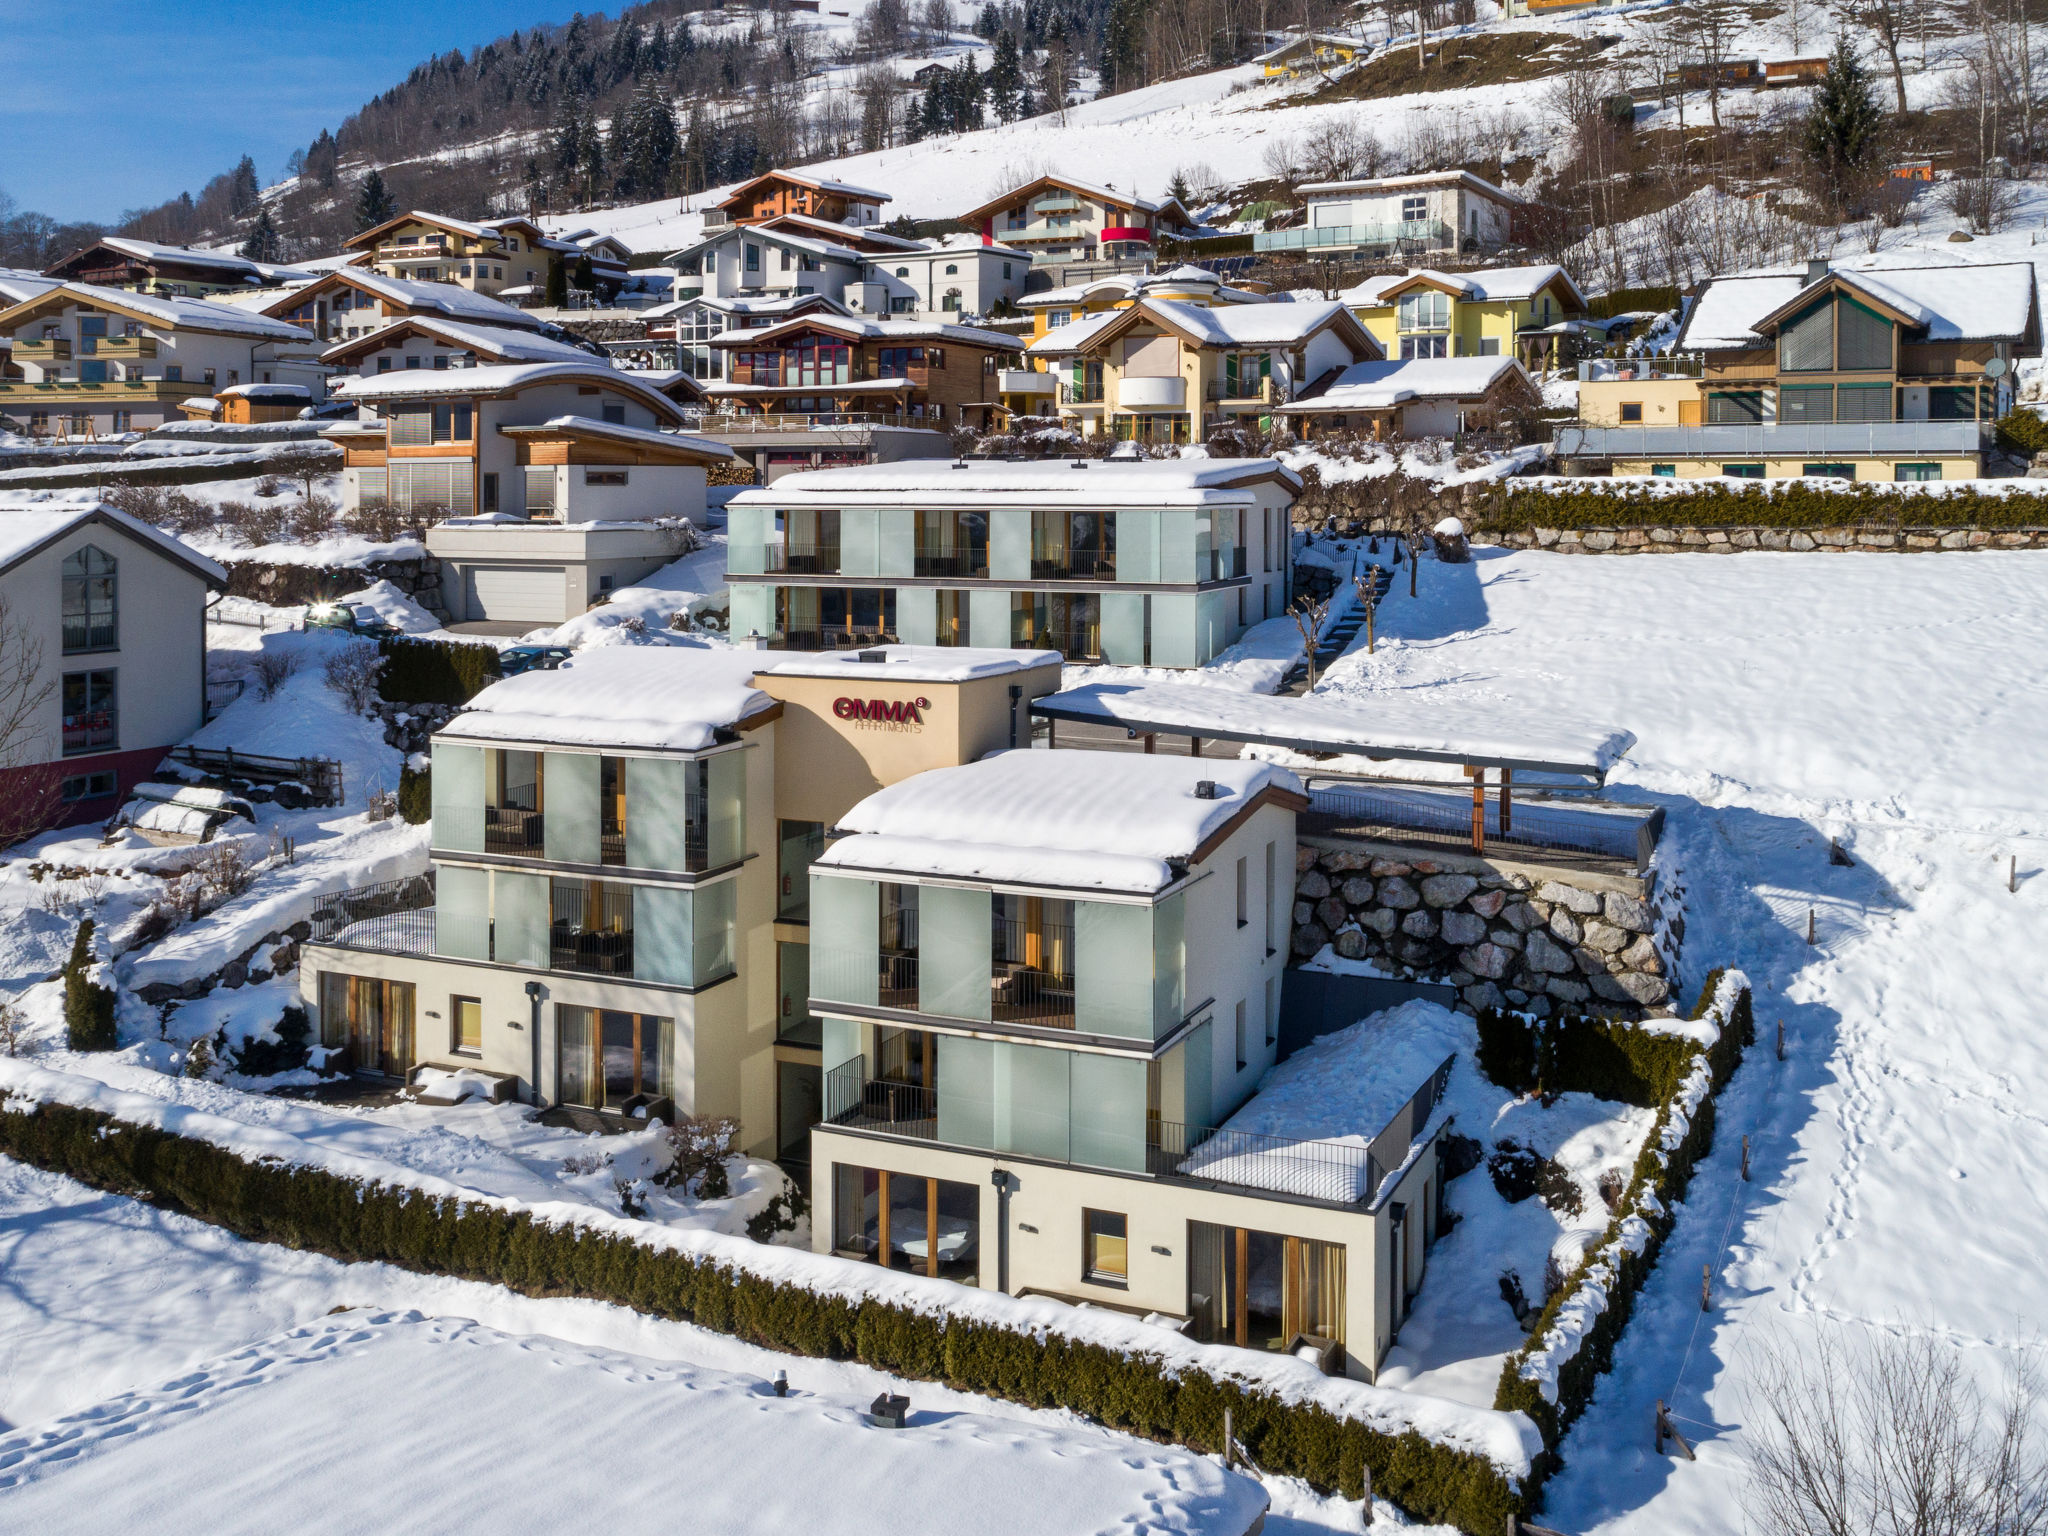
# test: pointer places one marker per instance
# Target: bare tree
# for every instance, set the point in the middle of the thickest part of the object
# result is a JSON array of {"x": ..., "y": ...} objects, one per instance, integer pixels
[
  {"x": 30, "y": 802},
  {"x": 1886, "y": 21},
  {"x": 1711, "y": 27},
  {"x": 1892, "y": 1437},
  {"x": 1308, "y": 614}
]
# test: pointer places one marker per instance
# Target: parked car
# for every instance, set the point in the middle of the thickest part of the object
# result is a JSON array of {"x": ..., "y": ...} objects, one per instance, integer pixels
[
  {"x": 515, "y": 659},
  {"x": 356, "y": 620}
]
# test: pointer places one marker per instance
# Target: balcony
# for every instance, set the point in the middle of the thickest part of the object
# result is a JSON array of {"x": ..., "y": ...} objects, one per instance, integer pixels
[
  {"x": 1080, "y": 565},
  {"x": 1226, "y": 565},
  {"x": 829, "y": 639},
  {"x": 1810, "y": 440},
  {"x": 521, "y": 833},
  {"x": 1152, "y": 394},
  {"x": 957, "y": 562},
  {"x": 1340, "y": 1173},
  {"x": 1025, "y": 381},
  {"x": 593, "y": 952},
  {"x": 1417, "y": 234},
  {"x": 52, "y": 349},
  {"x": 813, "y": 559},
  {"x": 1086, "y": 394},
  {"x": 896, "y": 979}
]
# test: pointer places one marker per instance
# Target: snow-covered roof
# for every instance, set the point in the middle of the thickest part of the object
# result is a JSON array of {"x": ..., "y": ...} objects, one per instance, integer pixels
[
  {"x": 1240, "y": 325},
  {"x": 1084, "y": 482},
  {"x": 1344, "y": 1089},
  {"x": 913, "y": 663},
  {"x": 1391, "y": 725},
  {"x": 1490, "y": 284},
  {"x": 448, "y": 299},
  {"x": 1075, "y": 335},
  {"x": 227, "y": 261},
  {"x": 870, "y": 330},
  {"x": 267, "y": 392},
  {"x": 663, "y": 698},
  {"x": 177, "y": 313},
  {"x": 417, "y": 383},
  {"x": 828, "y": 250},
  {"x": 1299, "y": 40},
  {"x": 1079, "y": 820},
  {"x": 1379, "y": 386},
  {"x": 1369, "y": 185},
  {"x": 818, "y": 183},
  {"x": 500, "y": 343},
  {"x": 782, "y": 304},
  {"x": 17, "y": 287},
  {"x": 1068, "y": 183},
  {"x": 24, "y": 529},
  {"x": 1951, "y": 303},
  {"x": 590, "y": 426}
]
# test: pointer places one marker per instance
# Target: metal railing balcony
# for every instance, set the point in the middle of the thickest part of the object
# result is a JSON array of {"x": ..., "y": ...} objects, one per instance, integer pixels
[
  {"x": 1077, "y": 566},
  {"x": 594, "y": 952},
  {"x": 969, "y": 562},
  {"x": 1810, "y": 440},
  {"x": 508, "y": 829},
  {"x": 1087, "y": 394},
  {"x": 896, "y": 979},
  {"x": 390, "y": 917},
  {"x": 814, "y": 559},
  {"x": 1026, "y": 995},
  {"x": 1417, "y": 234}
]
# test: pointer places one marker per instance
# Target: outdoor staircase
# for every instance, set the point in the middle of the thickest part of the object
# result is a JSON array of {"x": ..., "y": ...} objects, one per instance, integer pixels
[{"x": 1336, "y": 640}]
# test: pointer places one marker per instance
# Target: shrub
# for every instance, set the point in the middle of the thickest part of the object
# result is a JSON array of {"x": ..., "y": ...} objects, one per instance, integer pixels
[
  {"x": 698, "y": 1148},
  {"x": 352, "y": 673},
  {"x": 416, "y": 794},
  {"x": 1507, "y": 1050},
  {"x": 203, "y": 1054},
  {"x": 352, "y": 1221},
  {"x": 2022, "y": 430},
  {"x": 88, "y": 1006},
  {"x": 1655, "y": 1187},
  {"x": 381, "y": 522},
  {"x": 270, "y": 669},
  {"x": 256, "y": 522},
  {"x": 434, "y": 671},
  {"x": 1510, "y": 506}
]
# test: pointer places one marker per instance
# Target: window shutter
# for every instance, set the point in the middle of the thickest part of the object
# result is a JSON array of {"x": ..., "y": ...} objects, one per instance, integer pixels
[{"x": 1807, "y": 345}]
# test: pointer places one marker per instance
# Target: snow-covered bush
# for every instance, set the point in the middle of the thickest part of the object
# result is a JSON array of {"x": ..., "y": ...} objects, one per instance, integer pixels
[
  {"x": 291, "y": 1050},
  {"x": 88, "y": 1004},
  {"x": 352, "y": 673},
  {"x": 270, "y": 669},
  {"x": 698, "y": 1148}
]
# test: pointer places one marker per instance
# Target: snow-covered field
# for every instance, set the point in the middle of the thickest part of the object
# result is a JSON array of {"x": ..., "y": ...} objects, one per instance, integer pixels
[{"x": 1893, "y": 702}]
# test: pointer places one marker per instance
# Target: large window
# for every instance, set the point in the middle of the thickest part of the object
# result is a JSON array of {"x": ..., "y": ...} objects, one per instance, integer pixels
[
  {"x": 1743, "y": 408},
  {"x": 1425, "y": 346},
  {"x": 1807, "y": 345},
  {"x": 1031, "y": 956},
  {"x": 1800, "y": 406},
  {"x": 370, "y": 1018},
  {"x": 607, "y": 1058},
  {"x": 89, "y": 614},
  {"x": 902, "y": 1221},
  {"x": 590, "y": 927},
  {"x": 952, "y": 543},
  {"x": 835, "y": 618},
  {"x": 810, "y": 541},
  {"x": 1425, "y": 311},
  {"x": 1260, "y": 1290},
  {"x": 1916, "y": 472},
  {"x": 91, "y": 722},
  {"x": 1077, "y": 545},
  {"x": 797, "y": 844},
  {"x": 896, "y": 983},
  {"x": 1865, "y": 340},
  {"x": 1067, "y": 622},
  {"x": 513, "y": 802}
]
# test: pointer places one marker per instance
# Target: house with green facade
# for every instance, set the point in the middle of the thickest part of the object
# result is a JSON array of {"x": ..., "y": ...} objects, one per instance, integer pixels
[
  {"x": 1047, "y": 981},
  {"x": 1161, "y": 562}
]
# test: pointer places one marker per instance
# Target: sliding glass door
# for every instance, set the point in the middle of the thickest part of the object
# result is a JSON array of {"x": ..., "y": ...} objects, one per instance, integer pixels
[
  {"x": 904, "y": 1221},
  {"x": 1259, "y": 1290},
  {"x": 372, "y": 1017},
  {"x": 606, "y": 1058}
]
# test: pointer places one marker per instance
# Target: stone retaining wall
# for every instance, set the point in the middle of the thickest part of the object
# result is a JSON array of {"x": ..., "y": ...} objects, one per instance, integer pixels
[
  {"x": 285, "y": 586},
  {"x": 1519, "y": 936},
  {"x": 1726, "y": 541}
]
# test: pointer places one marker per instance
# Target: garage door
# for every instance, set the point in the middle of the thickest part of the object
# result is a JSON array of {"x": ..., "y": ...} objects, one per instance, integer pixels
[{"x": 525, "y": 594}]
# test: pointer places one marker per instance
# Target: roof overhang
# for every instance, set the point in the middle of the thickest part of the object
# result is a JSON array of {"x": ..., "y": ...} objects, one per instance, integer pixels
[{"x": 553, "y": 432}]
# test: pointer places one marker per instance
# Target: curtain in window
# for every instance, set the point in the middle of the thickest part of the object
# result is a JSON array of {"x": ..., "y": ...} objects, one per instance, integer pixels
[
  {"x": 575, "y": 1069},
  {"x": 1807, "y": 345},
  {"x": 1212, "y": 1281},
  {"x": 1315, "y": 1287}
]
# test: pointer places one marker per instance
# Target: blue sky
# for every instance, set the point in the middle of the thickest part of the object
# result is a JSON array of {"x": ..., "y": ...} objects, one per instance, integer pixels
[{"x": 114, "y": 105}]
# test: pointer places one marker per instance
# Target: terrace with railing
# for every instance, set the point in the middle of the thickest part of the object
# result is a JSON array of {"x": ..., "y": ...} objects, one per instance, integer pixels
[
  {"x": 1347, "y": 1172},
  {"x": 1598, "y": 834}
]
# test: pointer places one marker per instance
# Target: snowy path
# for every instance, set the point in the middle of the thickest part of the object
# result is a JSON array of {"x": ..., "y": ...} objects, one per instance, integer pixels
[{"x": 1893, "y": 702}]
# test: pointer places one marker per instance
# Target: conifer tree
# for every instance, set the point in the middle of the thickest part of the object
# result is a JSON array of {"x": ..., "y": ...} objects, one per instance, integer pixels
[
  {"x": 263, "y": 243},
  {"x": 1005, "y": 77},
  {"x": 243, "y": 190},
  {"x": 1844, "y": 129},
  {"x": 374, "y": 202}
]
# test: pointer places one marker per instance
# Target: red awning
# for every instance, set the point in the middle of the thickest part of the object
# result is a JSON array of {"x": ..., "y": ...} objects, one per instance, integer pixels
[{"x": 1120, "y": 232}]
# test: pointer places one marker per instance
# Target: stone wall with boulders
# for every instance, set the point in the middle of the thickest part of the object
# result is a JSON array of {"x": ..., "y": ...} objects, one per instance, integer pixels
[
  {"x": 272, "y": 955},
  {"x": 1516, "y": 936},
  {"x": 286, "y": 586}
]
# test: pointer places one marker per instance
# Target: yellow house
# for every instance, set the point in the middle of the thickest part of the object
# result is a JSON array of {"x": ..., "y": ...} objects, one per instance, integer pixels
[
  {"x": 1501, "y": 312},
  {"x": 1164, "y": 370},
  {"x": 1030, "y": 390},
  {"x": 1311, "y": 53}
]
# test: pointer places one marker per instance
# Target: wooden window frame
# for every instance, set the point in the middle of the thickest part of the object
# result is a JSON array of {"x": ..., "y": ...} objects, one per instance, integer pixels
[
  {"x": 1091, "y": 1272},
  {"x": 455, "y": 1045}
]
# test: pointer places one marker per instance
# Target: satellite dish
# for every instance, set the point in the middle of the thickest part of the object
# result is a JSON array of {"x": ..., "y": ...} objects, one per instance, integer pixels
[{"x": 1995, "y": 369}]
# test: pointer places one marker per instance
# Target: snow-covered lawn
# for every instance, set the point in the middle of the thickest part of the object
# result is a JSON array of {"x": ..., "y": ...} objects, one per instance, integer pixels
[
  {"x": 1893, "y": 702},
  {"x": 135, "y": 1300}
]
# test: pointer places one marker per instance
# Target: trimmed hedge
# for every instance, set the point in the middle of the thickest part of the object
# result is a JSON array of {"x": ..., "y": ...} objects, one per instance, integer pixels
[
  {"x": 352, "y": 1221},
  {"x": 1590, "y": 1059},
  {"x": 416, "y": 794},
  {"x": 1508, "y": 507},
  {"x": 88, "y": 1006},
  {"x": 434, "y": 671},
  {"x": 2021, "y": 430}
]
